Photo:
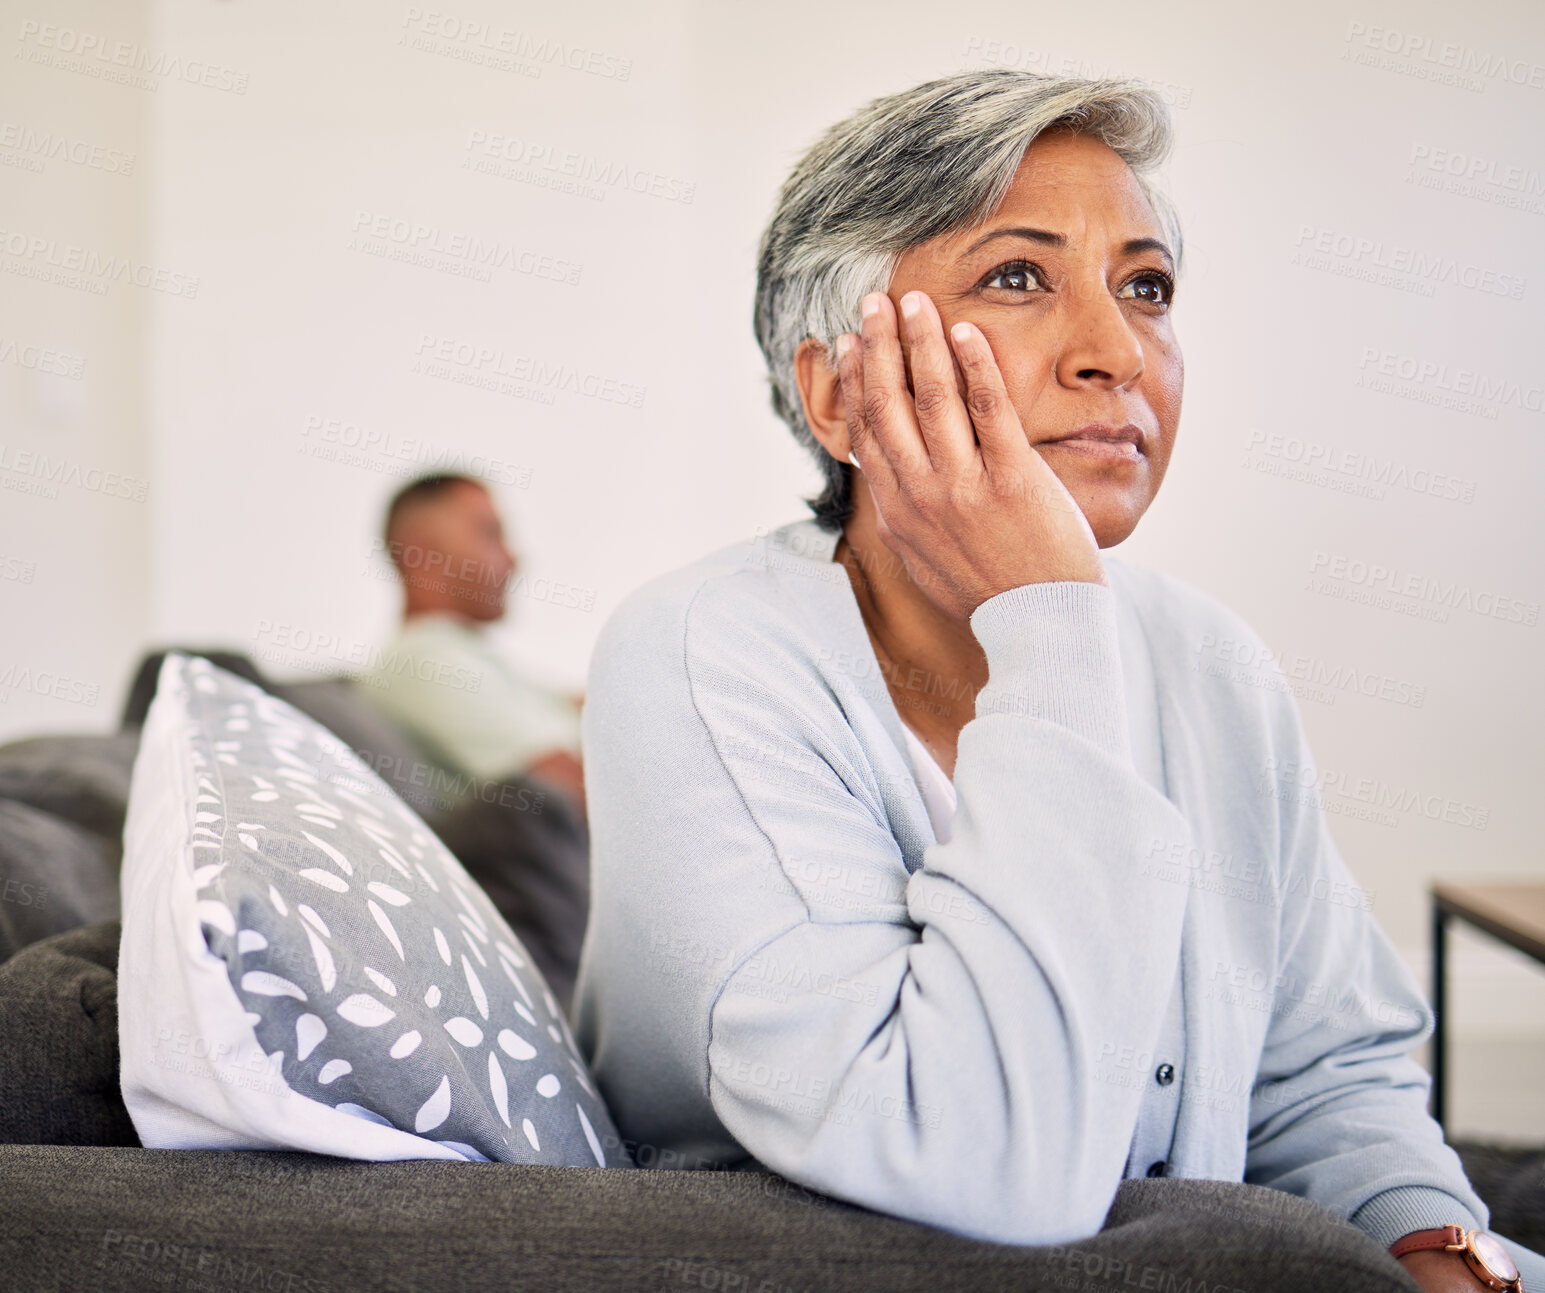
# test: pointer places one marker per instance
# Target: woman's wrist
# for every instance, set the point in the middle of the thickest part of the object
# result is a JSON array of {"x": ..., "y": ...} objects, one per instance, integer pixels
[{"x": 1441, "y": 1272}]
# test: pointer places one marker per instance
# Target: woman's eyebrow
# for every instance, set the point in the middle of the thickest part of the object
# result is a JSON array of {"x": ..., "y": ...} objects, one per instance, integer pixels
[
  {"x": 1134, "y": 245},
  {"x": 1035, "y": 235},
  {"x": 1049, "y": 239}
]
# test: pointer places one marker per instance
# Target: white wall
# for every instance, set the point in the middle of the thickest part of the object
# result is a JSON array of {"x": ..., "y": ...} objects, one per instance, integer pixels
[
  {"x": 1287, "y": 122},
  {"x": 76, "y": 492}
]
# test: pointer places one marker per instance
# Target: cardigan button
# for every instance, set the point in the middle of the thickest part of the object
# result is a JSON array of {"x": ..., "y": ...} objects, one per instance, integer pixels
[
  {"x": 1165, "y": 1074},
  {"x": 1157, "y": 1169}
]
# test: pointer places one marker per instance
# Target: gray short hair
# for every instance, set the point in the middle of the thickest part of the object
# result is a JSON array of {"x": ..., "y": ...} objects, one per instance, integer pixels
[{"x": 905, "y": 169}]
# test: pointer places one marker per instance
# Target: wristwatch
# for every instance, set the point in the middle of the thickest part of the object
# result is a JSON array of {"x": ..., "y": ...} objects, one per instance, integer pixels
[{"x": 1484, "y": 1255}]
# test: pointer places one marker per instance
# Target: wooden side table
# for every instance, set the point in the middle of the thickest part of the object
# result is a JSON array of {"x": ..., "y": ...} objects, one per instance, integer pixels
[{"x": 1513, "y": 913}]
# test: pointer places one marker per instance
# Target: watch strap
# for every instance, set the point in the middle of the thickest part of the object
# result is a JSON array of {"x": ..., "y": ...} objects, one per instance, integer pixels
[
  {"x": 1469, "y": 1245},
  {"x": 1417, "y": 1241}
]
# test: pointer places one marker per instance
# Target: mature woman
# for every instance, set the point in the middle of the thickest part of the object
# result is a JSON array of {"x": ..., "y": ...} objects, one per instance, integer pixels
[{"x": 927, "y": 871}]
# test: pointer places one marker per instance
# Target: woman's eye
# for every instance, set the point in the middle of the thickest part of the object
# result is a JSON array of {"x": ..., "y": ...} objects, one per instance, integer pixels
[
  {"x": 1018, "y": 277},
  {"x": 1155, "y": 289}
]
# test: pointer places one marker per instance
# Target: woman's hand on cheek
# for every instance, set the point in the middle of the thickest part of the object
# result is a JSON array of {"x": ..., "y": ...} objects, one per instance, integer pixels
[{"x": 963, "y": 500}]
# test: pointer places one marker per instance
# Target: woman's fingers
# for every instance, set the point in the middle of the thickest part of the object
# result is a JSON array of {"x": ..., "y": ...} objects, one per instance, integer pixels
[
  {"x": 998, "y": 429},
  {"x": 886, "y": 403},
  {"x": 967, "y": 522},
  {"x": 941, "y": 416},
  {"x": 1006, "y": 453},
  {"x": 866, "y": 453}
]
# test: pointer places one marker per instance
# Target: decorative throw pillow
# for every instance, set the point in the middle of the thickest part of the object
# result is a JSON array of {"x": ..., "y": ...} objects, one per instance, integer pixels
[{"x": 305, "y": 966}]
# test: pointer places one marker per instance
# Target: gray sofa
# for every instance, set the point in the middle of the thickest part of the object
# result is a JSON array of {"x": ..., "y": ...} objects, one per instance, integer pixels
[{"x": 86, "y": 1207}]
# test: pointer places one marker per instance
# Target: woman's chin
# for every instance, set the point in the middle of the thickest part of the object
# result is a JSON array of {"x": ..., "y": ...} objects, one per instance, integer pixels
[{"x": 1112, "y": 511}]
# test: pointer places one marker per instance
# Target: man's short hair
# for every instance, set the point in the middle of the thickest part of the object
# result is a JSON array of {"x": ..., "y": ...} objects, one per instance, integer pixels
[{"x": 426, "y": 489}]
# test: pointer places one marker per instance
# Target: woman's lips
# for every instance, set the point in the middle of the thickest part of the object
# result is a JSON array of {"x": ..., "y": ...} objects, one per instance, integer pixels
[
  {"x": 1104, "y": 450},
  {"x": 1105, "y": 443}
]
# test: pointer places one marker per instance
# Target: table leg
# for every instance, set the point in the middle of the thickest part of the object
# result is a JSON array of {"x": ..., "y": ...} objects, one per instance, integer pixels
[{"x": 1439, "y": 1010}]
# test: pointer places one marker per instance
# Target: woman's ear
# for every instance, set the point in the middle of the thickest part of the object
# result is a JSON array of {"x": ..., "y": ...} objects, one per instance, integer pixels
[{"x": 821, "y": 394}]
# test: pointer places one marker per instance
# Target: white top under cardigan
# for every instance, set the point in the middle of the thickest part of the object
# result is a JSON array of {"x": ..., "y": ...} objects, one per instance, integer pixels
[
  {"x": 1138, "y": 953},
  {"x": 937, "y": 789}
]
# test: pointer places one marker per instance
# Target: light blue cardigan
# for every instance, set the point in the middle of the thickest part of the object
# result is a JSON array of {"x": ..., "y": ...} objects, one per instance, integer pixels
[{"x": 1137, "y": 954}]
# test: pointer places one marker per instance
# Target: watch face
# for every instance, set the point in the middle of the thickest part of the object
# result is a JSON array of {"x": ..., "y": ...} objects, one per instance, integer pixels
[{"x": 1493, "y": 1255}]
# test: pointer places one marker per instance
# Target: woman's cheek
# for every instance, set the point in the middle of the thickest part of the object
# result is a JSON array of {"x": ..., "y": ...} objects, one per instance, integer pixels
[
  {"x": 1167, "y": 369},
  {"x": 1025, "y": 379}
]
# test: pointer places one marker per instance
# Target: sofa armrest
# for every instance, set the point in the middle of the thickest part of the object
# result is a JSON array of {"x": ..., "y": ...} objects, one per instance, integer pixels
[{"x": 133, "y": 1219}]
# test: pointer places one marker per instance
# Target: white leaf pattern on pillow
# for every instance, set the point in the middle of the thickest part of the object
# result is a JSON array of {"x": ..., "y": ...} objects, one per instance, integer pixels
[
  {"x": 324, "y": 878},
  {"x": 342, "y": 862},
  {"x": 326, "y": 970},
  {"x": 434, "y": 1110},
  {"x": 475, "y": 987},
  {"x": 333, "y": 1070},
  {"x": 381, "y": 981},
  {"x": 464, "y": 1031},
  {"x": 499, "y": 1088},
  {"x": 287, "y": 771},
  {"x": 309, "y": 1030},
  {"x": 387, "y": 928},
  {"x": 309, "y": 915},
  {"x": 270, "y": 985},
  {"x": 365, "y": 1010}
]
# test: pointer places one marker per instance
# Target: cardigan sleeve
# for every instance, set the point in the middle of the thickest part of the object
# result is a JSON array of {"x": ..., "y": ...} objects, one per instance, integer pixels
[{"x": 1338, "y": 1113}]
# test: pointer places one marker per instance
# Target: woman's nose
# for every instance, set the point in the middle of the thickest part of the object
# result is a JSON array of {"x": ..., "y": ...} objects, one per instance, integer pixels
[{"x": 1099, "y": 346}]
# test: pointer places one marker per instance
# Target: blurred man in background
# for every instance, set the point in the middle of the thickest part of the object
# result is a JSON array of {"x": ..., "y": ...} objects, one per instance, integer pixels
[{"x": 442, "y": 677}]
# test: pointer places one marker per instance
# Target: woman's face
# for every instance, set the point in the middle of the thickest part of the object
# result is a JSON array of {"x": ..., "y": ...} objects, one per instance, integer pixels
[{"x": 1070, "y": 280}]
